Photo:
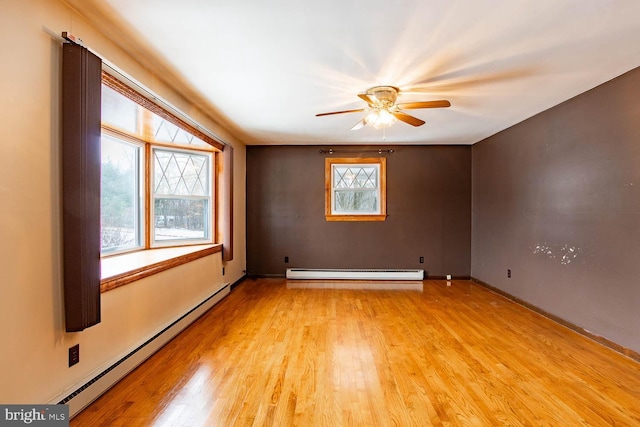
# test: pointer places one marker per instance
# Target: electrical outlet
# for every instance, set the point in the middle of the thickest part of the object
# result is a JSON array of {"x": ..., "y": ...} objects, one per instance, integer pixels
[
  {"x": 286, "y": 260},
  {"x": 74, "y": 355},
  {"x": 421, "y": 260},
  {"x": 509, "y": 273}
]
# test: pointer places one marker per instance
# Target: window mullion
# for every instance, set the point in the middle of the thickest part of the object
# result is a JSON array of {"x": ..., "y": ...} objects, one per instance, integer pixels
[
  {"x": 179, "y": 197},
  {"x": 147, "y": 196},
  {"x": 146, "y": 124}
]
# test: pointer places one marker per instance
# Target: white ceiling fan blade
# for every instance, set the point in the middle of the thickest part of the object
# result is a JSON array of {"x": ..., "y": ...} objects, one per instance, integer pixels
[{"x": 360, "y": 124}]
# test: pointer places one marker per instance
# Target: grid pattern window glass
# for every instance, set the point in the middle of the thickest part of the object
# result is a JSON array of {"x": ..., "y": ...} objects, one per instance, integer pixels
[
  {"x": 181, "y": 195},
  {"x": 356, "y": 189}
]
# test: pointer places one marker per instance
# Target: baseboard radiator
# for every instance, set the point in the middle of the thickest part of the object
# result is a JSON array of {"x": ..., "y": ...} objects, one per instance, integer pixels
[
  {"x": 353, "y": 274},
  {"x": 88, "y": 391}
]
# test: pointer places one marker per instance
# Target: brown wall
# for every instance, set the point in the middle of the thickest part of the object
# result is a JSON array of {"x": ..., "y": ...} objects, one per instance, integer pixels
[
  {"x": 428, "y": 206},
  {"x": 556, "y": 199}
]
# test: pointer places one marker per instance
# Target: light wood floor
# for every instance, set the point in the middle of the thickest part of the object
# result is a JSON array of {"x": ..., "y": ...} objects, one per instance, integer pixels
[{"x": 274, "y": 355}]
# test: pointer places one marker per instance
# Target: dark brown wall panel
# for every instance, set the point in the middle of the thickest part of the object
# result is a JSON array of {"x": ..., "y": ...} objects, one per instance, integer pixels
[
  {"x": 556, "y": 199},
  {"x": 428, "y": 206},
  {"x": 81, "y": 106}
]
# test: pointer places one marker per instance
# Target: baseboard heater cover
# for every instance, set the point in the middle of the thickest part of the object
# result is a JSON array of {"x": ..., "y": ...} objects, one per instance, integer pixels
[
  {"x": 99, "y": 384},
  {"x": 354, "y": 274}
]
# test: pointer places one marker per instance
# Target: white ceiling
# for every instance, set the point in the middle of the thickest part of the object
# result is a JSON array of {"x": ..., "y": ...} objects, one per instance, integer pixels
[{"x": 267, "y": 67}]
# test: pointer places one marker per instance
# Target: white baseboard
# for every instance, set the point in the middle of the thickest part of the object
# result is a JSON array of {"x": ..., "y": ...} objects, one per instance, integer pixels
[
  {"x": 90, "y": 389},
  {"x": 353, "y": 274}
]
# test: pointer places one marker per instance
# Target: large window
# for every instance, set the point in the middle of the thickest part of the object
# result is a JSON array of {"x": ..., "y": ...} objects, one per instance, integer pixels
[
  {"x": 355, "y": 189},
  {"x": 158, "y": 177}
]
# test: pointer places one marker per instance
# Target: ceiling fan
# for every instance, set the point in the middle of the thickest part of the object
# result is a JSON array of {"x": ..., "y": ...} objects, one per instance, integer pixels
[{"x": 383, "y": 110}]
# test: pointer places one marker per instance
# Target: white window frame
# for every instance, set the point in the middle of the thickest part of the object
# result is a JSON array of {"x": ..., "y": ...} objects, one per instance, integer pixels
[
  {"x": 208, "y": 227},
  {"x": 140, "y": 202}
]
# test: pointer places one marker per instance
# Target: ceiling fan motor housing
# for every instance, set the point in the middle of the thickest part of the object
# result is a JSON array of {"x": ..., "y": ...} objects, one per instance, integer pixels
[{"x": 384, "y": 95}]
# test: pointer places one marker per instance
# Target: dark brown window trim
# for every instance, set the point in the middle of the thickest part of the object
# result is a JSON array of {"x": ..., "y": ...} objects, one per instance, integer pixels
[{"x": 113, "y": 282}]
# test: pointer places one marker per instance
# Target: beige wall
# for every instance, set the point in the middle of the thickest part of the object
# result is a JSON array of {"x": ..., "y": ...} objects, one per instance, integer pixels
[{"x": 34, "y": 346}]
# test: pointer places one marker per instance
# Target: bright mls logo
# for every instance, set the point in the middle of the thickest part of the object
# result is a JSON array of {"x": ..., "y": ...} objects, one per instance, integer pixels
[{"x": 36, "y": 415}]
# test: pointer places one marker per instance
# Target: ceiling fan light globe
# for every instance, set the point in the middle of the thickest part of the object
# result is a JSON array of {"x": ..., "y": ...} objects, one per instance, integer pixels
[
  {"x": 380, "y": 118},
  {"x": 386, "y": 118},
  {"x": 372, "y": 118}
]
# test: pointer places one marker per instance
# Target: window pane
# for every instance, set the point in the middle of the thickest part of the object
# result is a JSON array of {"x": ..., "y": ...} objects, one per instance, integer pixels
[
  {"x": 180, "y": 219},
  {"x": 120, "y": 195},
  {"x": 182, "y": 196},
  {"x": 352, "y": 202},
  {"x": 165, "y": 131},
  {"x": 355, "y": 177},
  {"x": 355, "y": 189},
  {"x": 178, "y": 173},
  {"x": 119, "y": 111}
]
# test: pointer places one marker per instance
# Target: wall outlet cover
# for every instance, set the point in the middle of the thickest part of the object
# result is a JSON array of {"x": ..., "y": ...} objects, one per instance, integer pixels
[{"x": 74, "y": 355}]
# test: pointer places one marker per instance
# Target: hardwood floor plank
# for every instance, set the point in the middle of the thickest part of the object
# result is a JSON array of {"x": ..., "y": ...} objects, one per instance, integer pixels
[{"x": 277, "y": 353}]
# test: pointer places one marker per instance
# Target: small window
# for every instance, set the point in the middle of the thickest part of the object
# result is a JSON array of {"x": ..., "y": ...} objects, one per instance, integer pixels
[{"x": 355, "y": 189}]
